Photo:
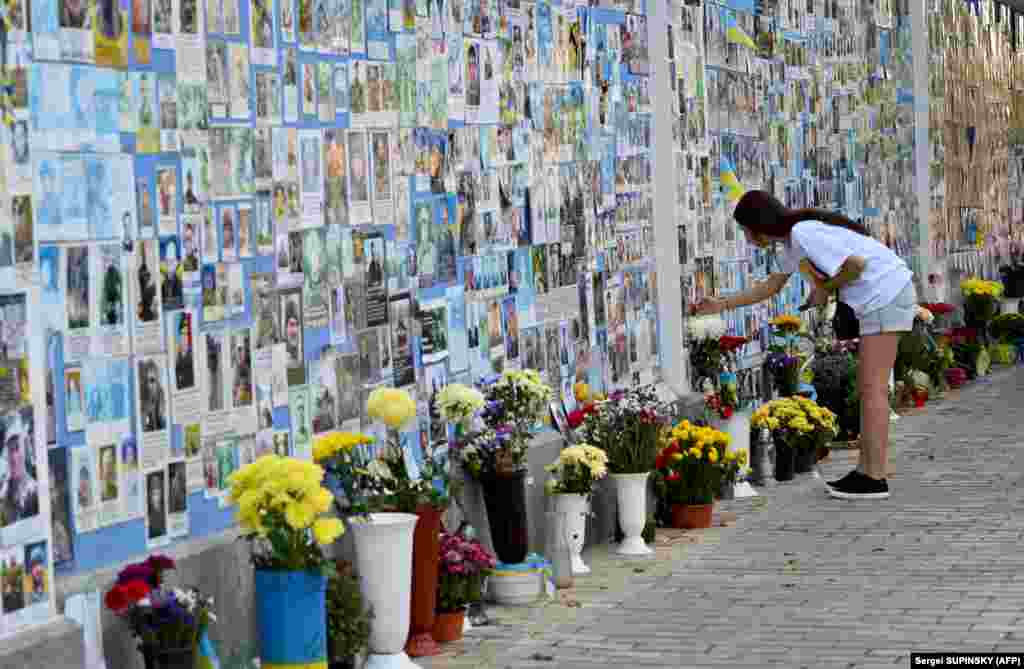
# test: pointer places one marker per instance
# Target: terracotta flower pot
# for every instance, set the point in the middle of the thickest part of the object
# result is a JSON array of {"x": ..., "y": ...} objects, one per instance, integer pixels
[
  {"x": 692, "y": 516},
  {"x": 448, "y": 625},
  {"x": 425, "y": 548}
]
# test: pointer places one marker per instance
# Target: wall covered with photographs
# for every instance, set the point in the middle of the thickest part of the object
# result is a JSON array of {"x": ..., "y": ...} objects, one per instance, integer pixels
[
  {"x": 26, "y": 548},
  {"x": 245, "y": 215},
  {"x": 976, "y": 110},
  {"x": 811, "y": 100}
]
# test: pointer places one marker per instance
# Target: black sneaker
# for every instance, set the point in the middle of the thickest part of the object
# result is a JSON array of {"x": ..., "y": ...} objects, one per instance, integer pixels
[
  {"x": 861, "y": 486},
  {"x": 846, "y": 479}
]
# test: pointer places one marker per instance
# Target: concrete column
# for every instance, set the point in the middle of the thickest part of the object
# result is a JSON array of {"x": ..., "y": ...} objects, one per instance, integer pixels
[
  {"x": 666, "y": 244},
  {"x": 922, "y": 145}
]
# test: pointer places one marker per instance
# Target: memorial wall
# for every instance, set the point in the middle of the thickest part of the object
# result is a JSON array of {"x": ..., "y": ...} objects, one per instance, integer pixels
[
  {"x": 225, "y": 222},
  {"x": 241, "y": 217}
]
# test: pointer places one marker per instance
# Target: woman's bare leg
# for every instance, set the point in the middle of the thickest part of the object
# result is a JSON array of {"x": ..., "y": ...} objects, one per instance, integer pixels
[{"x": 876, "y": 358}]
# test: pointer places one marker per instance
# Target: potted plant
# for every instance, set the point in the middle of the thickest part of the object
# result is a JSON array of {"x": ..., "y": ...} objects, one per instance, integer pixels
[
  {"x": 783, "y": 362},
  {"x": 940, "y": 312},
  {"x": 627, "y": 427},
  {"x": 169, "y": 623},
  {"x": 348, "y": 618},
  {"x": 1013, "y": 278},
  {"x": 464, "y": 565},
  {"x": 705, "y": 353},
  {"x": 496, "y": 456},
  {"x": 283, "y": 511},
  {"x": 574, "y": 473},
  {"x": 981, "y": 303},
  {"x": 369, "y": 496},
  {"x": 427, "y": 497},
  {"x": 733, "y": 463},
  {"x": 692, "y": 467},
  {"x": 1008, "y": 329},
  {"x": 799, "y": 427},
  {"x": 835, "y": 370}
]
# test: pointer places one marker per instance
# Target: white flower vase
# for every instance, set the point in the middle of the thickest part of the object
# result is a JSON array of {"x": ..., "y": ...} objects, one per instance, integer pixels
[
  {"x": 384, "y": 562},
  {"x": 1010, "y": 305},
  {"x": 631, "y": 494},
  {"x": 570, "y": 515}
]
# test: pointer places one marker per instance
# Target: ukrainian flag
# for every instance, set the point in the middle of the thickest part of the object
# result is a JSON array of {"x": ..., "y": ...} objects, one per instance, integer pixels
[
  {"x": 730, "y": 184},
  {"x": 735, "y": 34}
]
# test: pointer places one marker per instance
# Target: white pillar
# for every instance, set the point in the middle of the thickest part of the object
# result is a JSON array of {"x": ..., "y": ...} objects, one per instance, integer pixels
[
  {"x": 922, "y": 146},
  {"x": 666, "y": 243}
]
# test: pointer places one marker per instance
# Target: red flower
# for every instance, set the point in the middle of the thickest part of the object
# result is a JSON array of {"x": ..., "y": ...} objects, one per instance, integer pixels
[
  {"x": 939, "y": 308},
  {"x": 727, "y": 412},
  {"x": 660, "y": 461},
  {"x": 125, "y": 595},
  {"x": 576, "y": 418},
  {"x": 673, "y": 476},
  {"x": 728, "y": 343}
]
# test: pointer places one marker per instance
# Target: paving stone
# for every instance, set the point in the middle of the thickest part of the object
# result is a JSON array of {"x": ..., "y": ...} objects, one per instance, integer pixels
[{"x": 937, "y": 567}]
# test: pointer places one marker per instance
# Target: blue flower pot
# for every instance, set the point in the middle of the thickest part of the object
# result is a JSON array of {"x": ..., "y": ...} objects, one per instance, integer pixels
[{"x": 291, "y": 615}]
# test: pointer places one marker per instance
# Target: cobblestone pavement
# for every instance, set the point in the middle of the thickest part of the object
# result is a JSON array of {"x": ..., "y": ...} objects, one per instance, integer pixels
[{"x": 806, "y": 581}]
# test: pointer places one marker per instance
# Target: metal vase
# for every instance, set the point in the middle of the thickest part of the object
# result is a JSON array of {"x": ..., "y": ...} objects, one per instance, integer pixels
[{"x": 761, "y": 458}]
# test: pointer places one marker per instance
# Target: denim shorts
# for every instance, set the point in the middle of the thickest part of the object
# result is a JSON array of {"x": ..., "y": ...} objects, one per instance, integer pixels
[{"x": 897, "y": 316}]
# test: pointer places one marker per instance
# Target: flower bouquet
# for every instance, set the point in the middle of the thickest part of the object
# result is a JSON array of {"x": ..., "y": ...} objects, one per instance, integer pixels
[
  {"x": 574, "y": 474},
  {"x": 786, "y": 326},
  {"x": 733, "y": 463},
  {"x": 706, "y": 355},
  {"x": 495, "y": 455},
  {"x": 784, "y": 369},
  {"x": 691, "y": 468},
  {"x": 576, "y": 470},
  {"x": 283, "y": 510},
  {"x": 459, "y": 404},
  {"x": 799, "y": 426},
  {"x": 464, "y": 565},
  {"x": 627, "y": 427},
  {"x": 981, "y": 302},
  {"x": 513, "y": 405},
  {"x": 1008, "y": 329},
  {"x": 377, "y": 488},
  {"x": 169, "y": 623}
]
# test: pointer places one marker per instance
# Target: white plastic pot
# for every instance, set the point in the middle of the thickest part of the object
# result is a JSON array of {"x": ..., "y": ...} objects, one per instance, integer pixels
[
  {"x": 737, "y": 427},
  {"x": 384, "y": 562},
  {"x": 631, "y": 494},
  {"x": 570, "y": 517}
]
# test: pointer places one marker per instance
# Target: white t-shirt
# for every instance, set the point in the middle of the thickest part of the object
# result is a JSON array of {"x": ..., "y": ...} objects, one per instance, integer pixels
[{"x": 828, "y": 246}]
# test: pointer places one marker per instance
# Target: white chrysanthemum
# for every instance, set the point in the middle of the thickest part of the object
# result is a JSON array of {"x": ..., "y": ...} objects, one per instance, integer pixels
[{"x": 705, "y": 327}]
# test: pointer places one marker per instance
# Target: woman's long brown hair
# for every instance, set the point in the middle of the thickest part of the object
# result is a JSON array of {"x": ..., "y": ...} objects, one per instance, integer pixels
[{"x": 759, "y": 211}]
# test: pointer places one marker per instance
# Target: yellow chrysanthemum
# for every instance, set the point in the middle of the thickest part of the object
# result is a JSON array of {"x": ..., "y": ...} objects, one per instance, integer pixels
[
  {"x": 391, "y": 406},
  {"x": 299, "y": 515},
  {"x": 327, "y": 530}
]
